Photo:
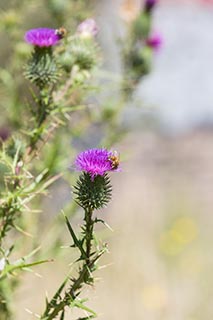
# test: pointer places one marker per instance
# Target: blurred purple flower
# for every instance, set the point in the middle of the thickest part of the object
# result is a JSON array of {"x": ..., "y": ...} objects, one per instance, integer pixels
[
  {"x": 95, "y": 162},
  {"x": 155, "y": 42},
  {"x": 88, "y": 28},
  {"x": 4, "y": 133},
  {"x": 150, "y": 4},
  {"x": 42, "y": 37}
]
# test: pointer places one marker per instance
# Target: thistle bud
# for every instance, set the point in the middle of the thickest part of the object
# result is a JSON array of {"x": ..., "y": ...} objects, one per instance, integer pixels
[
  {"x": 149, "y": 5},
  {"x": 154, "y": 41},
  {"x": 81, "y": 53},
  {"x": 88, "y": 28},
  {"x": 4, "y": 133}
]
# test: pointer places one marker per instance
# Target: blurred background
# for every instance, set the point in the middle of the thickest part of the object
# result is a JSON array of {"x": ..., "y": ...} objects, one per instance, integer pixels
[{"x": 160, "y": 260}]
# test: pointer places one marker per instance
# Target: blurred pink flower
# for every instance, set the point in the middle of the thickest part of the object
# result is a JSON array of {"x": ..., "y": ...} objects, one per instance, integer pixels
[
  {"x": 88, "y": 28},
  {"x": 155, "y": 41}
]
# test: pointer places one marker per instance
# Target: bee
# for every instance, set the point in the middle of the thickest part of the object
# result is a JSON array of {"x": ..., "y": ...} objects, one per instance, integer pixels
[
  {"x": 61, "y": 32},
  {"x": 114, "y": 159}
]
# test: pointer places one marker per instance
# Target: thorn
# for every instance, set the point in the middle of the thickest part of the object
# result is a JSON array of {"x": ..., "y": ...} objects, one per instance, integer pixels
[{"x": 38, "y": 275}]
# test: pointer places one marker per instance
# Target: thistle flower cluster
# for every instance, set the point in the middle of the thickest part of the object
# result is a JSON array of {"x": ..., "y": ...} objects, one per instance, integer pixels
[
  {"x": 141, "y": 45},
  {"x": 43, "y": 69}
]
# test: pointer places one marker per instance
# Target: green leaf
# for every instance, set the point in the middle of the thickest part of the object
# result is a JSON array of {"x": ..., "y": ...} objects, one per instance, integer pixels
[
  {"x": 16, "y": 158},
  {"x": 80, "y": 305},
  {"x": 62, "y": 315},
  {"x": 104, "y": 223},
  {"x": 87, "y": 318},
  {"x": 21, "y": 264},
  {"x": 76, "y": 241},
  {"x": 12, "y": 267},
  {"x": 58, "y": 292}
]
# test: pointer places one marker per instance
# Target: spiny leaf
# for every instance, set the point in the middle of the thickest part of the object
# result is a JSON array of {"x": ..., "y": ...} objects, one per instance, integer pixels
[
  {"x": 80, "y": 305},
  {"x": 11, "y": 268},
  {"x": 62, "y": 315},
  {"x": 76, "y": 241},
  {"x": 87, "y": 318},
  {"x": 58, "y": 292}
]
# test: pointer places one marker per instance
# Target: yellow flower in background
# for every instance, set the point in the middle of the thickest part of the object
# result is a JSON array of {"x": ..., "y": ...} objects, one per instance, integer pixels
[
  {"x": 181, "y": 233},
  {"x": 154, "y": 296}
]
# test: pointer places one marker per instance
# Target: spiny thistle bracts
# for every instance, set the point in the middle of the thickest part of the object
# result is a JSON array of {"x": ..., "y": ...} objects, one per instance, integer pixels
[
  {"x": 42, "y": 68},
  {"x": 81, "y": 52},
  {"x": 93, "y": 194}
]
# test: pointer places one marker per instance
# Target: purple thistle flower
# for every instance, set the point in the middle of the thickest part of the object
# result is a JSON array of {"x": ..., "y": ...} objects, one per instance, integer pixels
[
  {"x": 155, "y": 42},
  {"x": 42, "y": 37},
  {"x": 96, "y": 162},
  {"x": 149, "y": 5},
  {"x": 88, "y": 28}
]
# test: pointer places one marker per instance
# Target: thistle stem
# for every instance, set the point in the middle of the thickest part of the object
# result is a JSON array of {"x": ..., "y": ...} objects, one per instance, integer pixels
[
  {"x": 89, "y": 233},
  {"x": 84, "y": 276},
  {"x": 42, "y": 112},
  {"x": 73, "y": 292}
]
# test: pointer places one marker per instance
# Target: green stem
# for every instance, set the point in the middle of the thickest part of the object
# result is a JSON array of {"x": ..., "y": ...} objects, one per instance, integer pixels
[
  {"x": 73, "y": 292},
  {"x": 42, "y": 112},
  {"x": 89, "y": 233},
  {"x": 8, "y": 212},
  {"x": 84, "y": 276}
]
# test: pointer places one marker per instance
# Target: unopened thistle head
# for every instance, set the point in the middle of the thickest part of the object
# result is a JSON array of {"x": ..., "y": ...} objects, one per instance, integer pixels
[
  {"x": 4, "y": 133},
  {"x": 97, "y": 162},
  {"x": 42, "y": 37},
  {"x": 149, "y": 5},
  {"x": 87, "y": 28}
]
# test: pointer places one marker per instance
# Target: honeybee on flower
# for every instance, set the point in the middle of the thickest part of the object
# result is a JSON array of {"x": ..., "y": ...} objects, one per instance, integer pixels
[
  {"x": 61, "y": 32},
  {"x": 114, "y": 158}
]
